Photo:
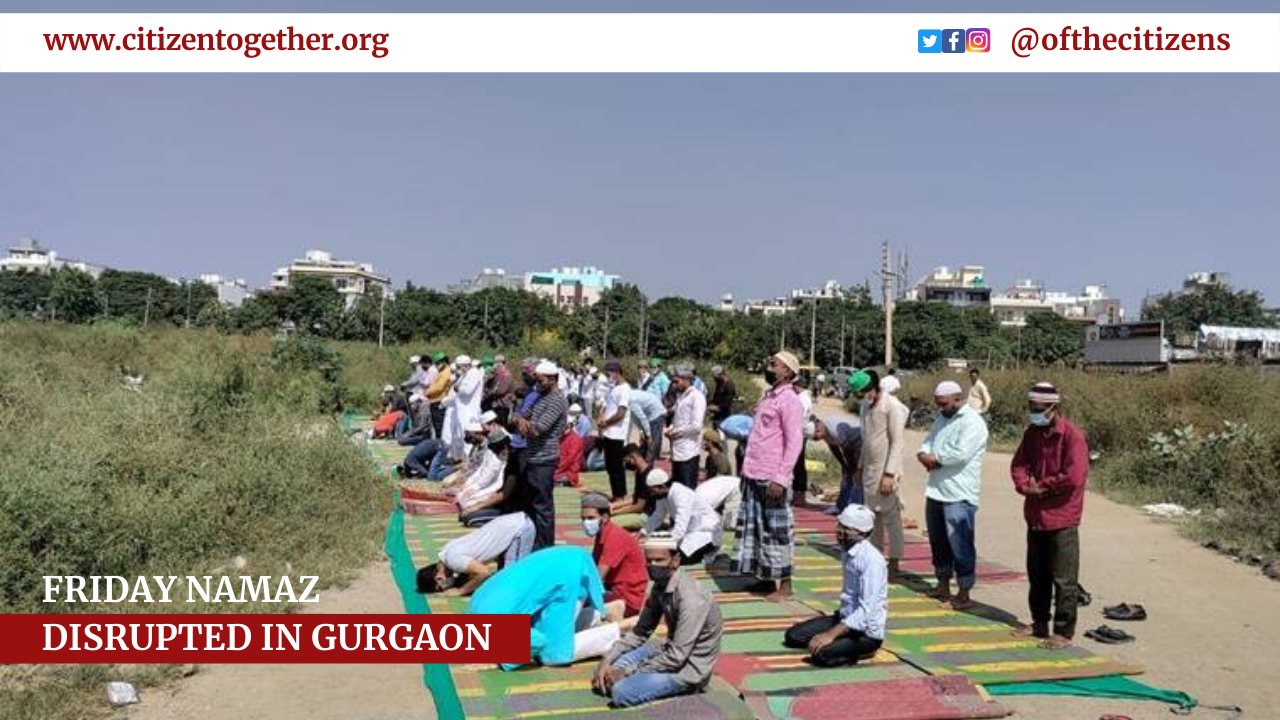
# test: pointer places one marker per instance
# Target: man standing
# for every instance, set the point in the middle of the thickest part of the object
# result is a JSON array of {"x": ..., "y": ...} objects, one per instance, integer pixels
[
  {"x": 1051, "y": 469},
  {"x": 765, "y": 524},
  {"x": 439, "y": 387},
  {"x": 952, "y": 454},
  {"x": 884, "y": 438},
  {"x": 659, "y": 383},
  {"x": 613, "y": 429},
  {"x": 636, "y": 670},
  {"x": 856, "y": 630},
  {"x": 800, "y": 474},
  {"x": 722, "y": 396},
  {"x": 979, "y": 397},
  {"x": 413, "y": 385},
  {"x": 542, "y": 425},
  {"x": 464, "y": 403},
  {"x": 685, "y": 432},
  {"x": 500, "y": 394}
]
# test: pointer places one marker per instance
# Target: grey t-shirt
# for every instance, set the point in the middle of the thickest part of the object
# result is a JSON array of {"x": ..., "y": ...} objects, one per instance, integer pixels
[{"x": 510, "y": 534}]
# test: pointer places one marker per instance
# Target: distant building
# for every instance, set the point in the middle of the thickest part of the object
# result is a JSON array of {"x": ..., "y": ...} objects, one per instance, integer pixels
[
  {"x": 726, "y": 303},
  {"x": 231, "y": 293},
  {"x": 571, "y": 287},
  {"x": 963, "y": 288},
  {"x": 1201, "y": 280},
  {"x": 830, "y": 290},
  {"x": 30, "y": 256},
  {"x": 351, "y": 279},
  {"x": 776, "y": 306},
  {"x": 1091, "y": 306},
  {"x": 488, "y": 278}
]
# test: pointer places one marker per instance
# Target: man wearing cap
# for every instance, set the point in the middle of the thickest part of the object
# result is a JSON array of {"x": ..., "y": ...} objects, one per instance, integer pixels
[
  {"x": 1051, "y": 469},
  {"x": 686, "y": 428},
  {"x": 413, "y": 385},
  {"x": 637, "y": 670},
  {"x": 884, "y": 441},
  {"x": 619, "y": 559},
  {"x": 542, "y": 425},
  {"x": 952, "y": 453},
  {"x": 648, "y": 417},
  {"x": 438, "y": 388},
  {"x": 765, "y": 525},
  {"x": 500, "y": 390},
  {"x": 843, "y": 435},
  {"x": 571, "y": 448},
  {"x": 717, "y": 463},
  {"x": 463, "y": 405},
  {"x": 463, "y": 561},
  {"x": 856, "y": 630},
  {"x": 722, "y": 396},
  {"x": 694, "y": 525},
  {"x": 613, "y": 429},
  {"x": 659, "y": 383}
]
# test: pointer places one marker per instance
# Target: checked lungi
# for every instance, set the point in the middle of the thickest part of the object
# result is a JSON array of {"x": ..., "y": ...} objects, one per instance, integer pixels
[{"x": 765, "y": 532}]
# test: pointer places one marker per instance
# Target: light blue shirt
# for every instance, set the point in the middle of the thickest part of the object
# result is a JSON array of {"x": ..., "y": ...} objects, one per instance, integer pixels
[
  {"x": 958, "y": 442},
  {"x": 864, "y": 597},
  {"x": 645, "y": 408},
  {"x": 659, "y": 384}
]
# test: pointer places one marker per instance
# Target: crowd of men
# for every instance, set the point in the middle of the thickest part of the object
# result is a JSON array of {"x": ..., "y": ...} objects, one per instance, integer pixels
[{"x": 498, "y": 446}]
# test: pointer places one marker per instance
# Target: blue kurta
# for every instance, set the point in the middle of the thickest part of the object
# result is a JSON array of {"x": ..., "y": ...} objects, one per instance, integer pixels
[{"x": 547, "y": 585}]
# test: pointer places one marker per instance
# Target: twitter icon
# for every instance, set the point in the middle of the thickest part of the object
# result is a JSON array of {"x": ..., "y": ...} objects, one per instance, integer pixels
[{"x": 927, "y": 41}]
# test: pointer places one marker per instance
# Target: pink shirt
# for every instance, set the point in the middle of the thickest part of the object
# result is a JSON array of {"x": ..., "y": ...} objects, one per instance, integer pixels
[{"x": 776, "y": 437}]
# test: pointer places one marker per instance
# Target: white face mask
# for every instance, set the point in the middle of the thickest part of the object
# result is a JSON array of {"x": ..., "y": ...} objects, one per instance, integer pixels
[{"x": 591, "y": 527}]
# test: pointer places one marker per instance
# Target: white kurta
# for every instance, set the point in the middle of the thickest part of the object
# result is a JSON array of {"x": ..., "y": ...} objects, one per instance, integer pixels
[
  {"x": 463, "y": 407},
  {"x": 693, "y": 525}
]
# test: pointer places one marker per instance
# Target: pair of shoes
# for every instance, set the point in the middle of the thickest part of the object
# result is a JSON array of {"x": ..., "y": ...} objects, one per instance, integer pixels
[
  {"x": 1109, "y": 636},
  {"x": 1125, "y": 611},
  {"x": 831, "y": 511},
  {"x": 1083, "y": 597}
]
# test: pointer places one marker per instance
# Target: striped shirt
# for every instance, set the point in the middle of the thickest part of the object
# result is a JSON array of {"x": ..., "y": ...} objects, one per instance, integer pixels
[{"x": 548, "y": 415}]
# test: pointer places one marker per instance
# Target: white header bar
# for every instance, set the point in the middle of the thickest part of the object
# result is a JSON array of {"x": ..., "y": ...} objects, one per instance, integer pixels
[{"x": 629, "y": 43}]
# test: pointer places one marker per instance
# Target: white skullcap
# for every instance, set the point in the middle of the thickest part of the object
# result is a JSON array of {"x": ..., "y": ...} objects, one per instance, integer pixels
[
  {"x": 858, "y": 517},
  {"x": 415, "y": 359},
  {"x": 499, "y": 358},
  {"x": 546, "y": 367},
  {"x": 948, "y": 387},
  {"x": 1045, "y": 393},
  {"x": 808, "y": 430},
  {"x": 657, "y": 477},
  {"x": 890, "y": 385},
  {"x": 463, "y": 360},
  {"x": 488, "y": 416},
  {"x": 661, "y": 541},
  {"x": 474, "y": 427},
  {"x": 388, "y": 388},
  {"x": 575, "y": 409}
]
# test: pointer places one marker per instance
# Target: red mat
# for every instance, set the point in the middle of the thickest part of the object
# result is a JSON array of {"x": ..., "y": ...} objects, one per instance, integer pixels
[{"x": 946, "y": 697}]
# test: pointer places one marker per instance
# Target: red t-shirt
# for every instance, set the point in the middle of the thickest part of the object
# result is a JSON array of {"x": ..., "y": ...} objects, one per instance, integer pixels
[
  {"x": 386, "y": 425},
  {"x": 570, "y": 458},
  {"x": 628, "y": 576}
]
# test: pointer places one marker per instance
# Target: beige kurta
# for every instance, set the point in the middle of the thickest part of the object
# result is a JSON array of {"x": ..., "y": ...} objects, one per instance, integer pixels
[{"x": 884, "y": 430}]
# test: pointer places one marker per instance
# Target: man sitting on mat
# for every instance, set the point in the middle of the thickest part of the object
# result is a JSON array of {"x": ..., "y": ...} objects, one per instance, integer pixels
[
  {"x": 694, "y": 525},
  {"x": 856, "y": 630},
  {"x": 636, "y": 670},
  {"x": 464, "y": 561},
  {"x": 619, "y": 559}
]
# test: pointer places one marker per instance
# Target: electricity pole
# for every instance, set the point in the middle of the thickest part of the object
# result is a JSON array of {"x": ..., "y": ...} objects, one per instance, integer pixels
[
  {"x": 382, "y": 317},
  {"x": 640, "y": 344},
  {"x": 146, "y": 313},
  {"x": 842, "y": 323},
  {"x": 188, "y": 323},
  {"x": 886, "y": 281},
  {"x": 604, "y": 351}
]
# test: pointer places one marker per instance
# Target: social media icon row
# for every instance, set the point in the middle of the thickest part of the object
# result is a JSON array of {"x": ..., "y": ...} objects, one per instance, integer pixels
[{"x": 954, "y": 40}]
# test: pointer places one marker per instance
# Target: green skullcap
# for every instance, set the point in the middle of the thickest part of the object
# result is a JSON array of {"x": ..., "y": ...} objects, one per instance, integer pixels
[{"x": 860, "y": 381}]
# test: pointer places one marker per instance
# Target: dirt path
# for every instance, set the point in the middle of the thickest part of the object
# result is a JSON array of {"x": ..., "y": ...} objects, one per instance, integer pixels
[
  {"x": 304, "y": 692},
  {"x": 1214, "y": 625}
]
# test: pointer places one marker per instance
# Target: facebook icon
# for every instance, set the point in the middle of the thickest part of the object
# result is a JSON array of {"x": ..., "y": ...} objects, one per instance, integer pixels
[{"x": 952, "y": 40}]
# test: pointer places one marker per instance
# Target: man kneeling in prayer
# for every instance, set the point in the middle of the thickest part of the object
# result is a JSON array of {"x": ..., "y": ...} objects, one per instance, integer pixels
[
  {"x": 637, "y": 670},
  {"x": 464, "y": 561},
  {"x": 619, "y": 559},
  {"x": 856, "y": 630}
]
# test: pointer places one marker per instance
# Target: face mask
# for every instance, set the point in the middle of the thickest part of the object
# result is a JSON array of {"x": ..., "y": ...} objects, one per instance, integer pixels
[
  {"x": 1039, "y": 419},
  {"x": 846, "y": 542},
  {"x": 949, "y": 413},
  {"x": 770, "y": 377},
  {"x": 659, "y": 574},
  {"x": 591, "y": 527}
]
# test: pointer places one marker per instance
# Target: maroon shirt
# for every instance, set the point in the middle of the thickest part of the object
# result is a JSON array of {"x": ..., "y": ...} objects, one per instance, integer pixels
[{"x": 1058, "y": 458}]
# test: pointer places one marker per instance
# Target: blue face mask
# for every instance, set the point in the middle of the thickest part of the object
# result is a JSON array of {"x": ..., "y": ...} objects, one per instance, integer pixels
[
  {"x": 1039, "y": 419},
  {"x": 591, "y": 527}
]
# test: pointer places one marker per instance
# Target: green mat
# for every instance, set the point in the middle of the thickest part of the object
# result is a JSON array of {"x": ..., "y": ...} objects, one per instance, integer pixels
[{"x": 1115, "y": 687}]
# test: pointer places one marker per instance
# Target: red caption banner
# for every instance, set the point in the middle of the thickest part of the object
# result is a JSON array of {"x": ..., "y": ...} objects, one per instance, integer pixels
[{"x": 264, "y": 638}]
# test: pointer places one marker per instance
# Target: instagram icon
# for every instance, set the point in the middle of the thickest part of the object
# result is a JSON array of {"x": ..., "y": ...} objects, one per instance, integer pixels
[{"x": 978, "y": 40}]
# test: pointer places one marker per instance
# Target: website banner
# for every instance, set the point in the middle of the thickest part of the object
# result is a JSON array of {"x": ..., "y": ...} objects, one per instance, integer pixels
[{"x": 635, "y": 43}]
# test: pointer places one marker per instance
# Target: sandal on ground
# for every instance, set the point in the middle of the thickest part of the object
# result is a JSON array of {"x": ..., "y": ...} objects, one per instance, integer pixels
[
  {"x": 1083, "y": 597},
  {"x": 1109, "y": 636},
  {"x": 1125, "y": 611}
]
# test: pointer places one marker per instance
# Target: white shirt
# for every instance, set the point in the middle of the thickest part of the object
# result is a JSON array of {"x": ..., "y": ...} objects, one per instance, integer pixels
[
  {"x": 864, "y": 597},
  {"x": 482, "y": 482},
  {"x": 715, "y": 491},
  {"x": 693, "y": 523},
  {"x": 686, "y": 427},
  {"x": 619, "y": 397},
  {"x": 806, "y": 402}
]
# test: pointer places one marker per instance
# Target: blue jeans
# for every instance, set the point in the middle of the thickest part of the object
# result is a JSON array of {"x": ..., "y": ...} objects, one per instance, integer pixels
[
  {"x": 422, "y": 456},
  {"x": 951, "y": 540},
  {"x": 850, "y": 493},
  {"x": 643, "y": 687}
]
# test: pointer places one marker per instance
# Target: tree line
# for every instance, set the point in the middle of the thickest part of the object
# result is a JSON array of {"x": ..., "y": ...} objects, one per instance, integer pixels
[{"x": 848, "y": 331}]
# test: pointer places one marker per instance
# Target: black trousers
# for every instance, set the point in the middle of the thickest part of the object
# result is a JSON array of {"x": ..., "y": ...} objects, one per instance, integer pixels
[
  {"x": 697, "y": 556},
  {"x": 850, "y": 648},
  {"x": 614, "y": 466},
  {"x": 1053, "y": 569},
  {"x": 800, "y": 475},
  {"x": 685, "y": 472},
  {"x": 437, "y": 418},
  {"x": 540, "y": 503}
]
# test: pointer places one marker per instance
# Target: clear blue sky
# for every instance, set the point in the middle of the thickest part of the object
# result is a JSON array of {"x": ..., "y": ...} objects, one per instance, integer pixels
[{"x": 691, "y": 185}]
